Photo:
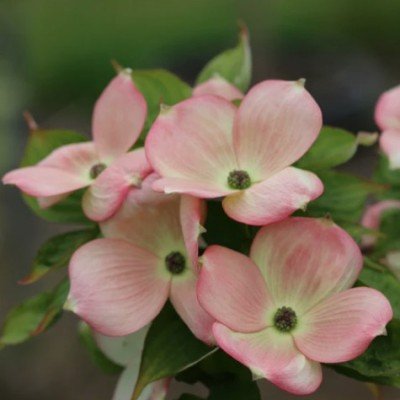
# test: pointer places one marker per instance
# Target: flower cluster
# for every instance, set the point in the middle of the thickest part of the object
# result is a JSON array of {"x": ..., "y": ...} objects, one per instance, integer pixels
[{"x": 282, "y": 310}]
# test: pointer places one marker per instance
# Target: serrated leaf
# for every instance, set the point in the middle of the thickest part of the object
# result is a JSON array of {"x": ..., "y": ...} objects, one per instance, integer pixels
[
  {"x": 97, "y": 356},
  {"x": 159, "y": 86},
  {"x": 40, "y": 144},
  {"x": 380, "y": 363},
  {"x": 333, "y": 147},
  {"x": 234, "y": 64},
  {"x": 56, "y": 253},
  {"x": 169, "y": 348},
  {"x": 344, "y": 196},
  {"x": 35, "y": 315}
]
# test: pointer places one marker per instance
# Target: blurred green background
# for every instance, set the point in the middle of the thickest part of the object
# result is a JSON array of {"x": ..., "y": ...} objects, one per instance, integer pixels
[{"x": 55, "y": 59}]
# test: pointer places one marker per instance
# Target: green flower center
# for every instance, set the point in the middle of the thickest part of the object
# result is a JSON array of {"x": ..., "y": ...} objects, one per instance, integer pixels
[
  {"x": 238, "y": 179},
  {"x": 175, "y": 262},
  {"x": 285, "y": 319},
  {"x": 96, "y": 170}
]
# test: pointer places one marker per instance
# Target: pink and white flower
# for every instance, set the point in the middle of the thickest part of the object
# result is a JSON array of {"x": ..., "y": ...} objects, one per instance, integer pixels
[
  {"x": 387, "y": 117},
  {"x": 289, "y": 306},
  {"x": 127, "y": 352},
  {"x": 207, "y": 147},
  {"x": 104, "y": 165},
  {"x": 149, "y": 254}
]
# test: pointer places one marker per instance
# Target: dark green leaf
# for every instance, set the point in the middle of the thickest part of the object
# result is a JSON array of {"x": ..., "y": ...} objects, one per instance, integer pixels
[
  {"x": 235, "y": 390},
  {"x": 234, "y": 64},
  {"x": 222, "y": 230},
  {"x": 97, "y": 356},
  {"x": 159, "y": 86},
  {"x": 56, "y": 252},
  {"x": 189, "y": 397},
  {"x": 333, "y": 147},
  {"x": 40, "y": 144},
  {"x": 35, "y": 315},
  {"x": 344, "y": 196},
  {"x": 169, "y": 348},
  {"x": 380, "y": 363},
  {"x": 384, "y": 281}
]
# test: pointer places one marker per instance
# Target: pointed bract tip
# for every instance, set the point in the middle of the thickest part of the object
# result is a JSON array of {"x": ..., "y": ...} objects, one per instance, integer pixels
[
  {"x": 164, "y": 108},
  {"x": 243, "y": 30},
  {"x": 367, "y": 138},
  {"x": 301, "y": 82},
  {"x": 69, "y": 304},
  {"x": 118, "y": 68},
  {"x": 30, "y": 121}
]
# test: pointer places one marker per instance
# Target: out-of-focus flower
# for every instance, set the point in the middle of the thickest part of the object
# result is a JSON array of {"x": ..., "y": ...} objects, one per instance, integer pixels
[
  {"x": 372, "y": 220},
  {"x": 207, "y": 147},
  {"x": 127, "y": 352},
  {"x": 289, "y": 306},
  {"x": 149, "y": 254},
  {"x": 103, "y": 164},
  {"x": 387, "y": 117}
]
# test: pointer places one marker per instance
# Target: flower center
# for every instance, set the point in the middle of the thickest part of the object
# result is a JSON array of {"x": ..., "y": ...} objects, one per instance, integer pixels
[
  {"x": 238, "y": 179},
  {"x": 175, "y": 262},
  {"x": 285, "y": 319},
  {"x": 96, "y": 170}
]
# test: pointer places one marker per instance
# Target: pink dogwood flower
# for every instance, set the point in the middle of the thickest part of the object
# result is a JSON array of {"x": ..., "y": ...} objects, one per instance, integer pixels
[
  {"x": 289, "y": 306},
  {"x": 149, "y": 254},
  {"x": 126, "y": 351},
  {"x": 103, "y": 164},
  {"x": 207, "y": 147},
  {"x": 387, "y": 117},
  {"x": 371, "y": 218},
  {"x": 218, "y": 86}
]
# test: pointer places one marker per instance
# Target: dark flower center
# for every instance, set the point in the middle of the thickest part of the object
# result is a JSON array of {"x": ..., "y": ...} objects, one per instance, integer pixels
[
  {"x": 285, "y": 319},
  {"x": 96, "y": 170},
  {"x": 238, "y": 179},
  {"x": 175, "y": 262}
]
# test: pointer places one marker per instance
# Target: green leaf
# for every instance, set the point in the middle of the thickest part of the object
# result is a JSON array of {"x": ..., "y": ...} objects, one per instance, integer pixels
[
  {"x": 380, "y": 363},
  {"x": 35, "y": 315},
  {"x": 159, "y": 86},
  {"x": 40, "y": 144},
  {"x": 189, "y": 397},
  {"x": 386, "y": 175},
  {"x": 57, "y": 251},
  {"x": 169, "y": 348},
  {"x": 344, "y": 196},
  {"x": 384, "y": 281},
  {"x": 333, "y": 147},
  {"x": 222, "y": 230},
  {"x": 97, "y": 356},
  {"x": 234, "y": 64}
]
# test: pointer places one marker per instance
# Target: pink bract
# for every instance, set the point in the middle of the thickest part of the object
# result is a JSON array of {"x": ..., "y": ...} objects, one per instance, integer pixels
[
  {"x": 149, "y": 254},
  {"x": 290, "y": 306},
  {"x": 104, "y": 164},
  {"x": 387, "y": 117},
  {"x": 218, "y": 86},
  {"x": 207, "y": 147},
  {"x": 372, "y": 218}
]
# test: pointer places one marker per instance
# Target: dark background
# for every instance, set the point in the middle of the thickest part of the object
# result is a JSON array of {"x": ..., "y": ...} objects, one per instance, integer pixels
[{"x": 55, "y": 60}]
